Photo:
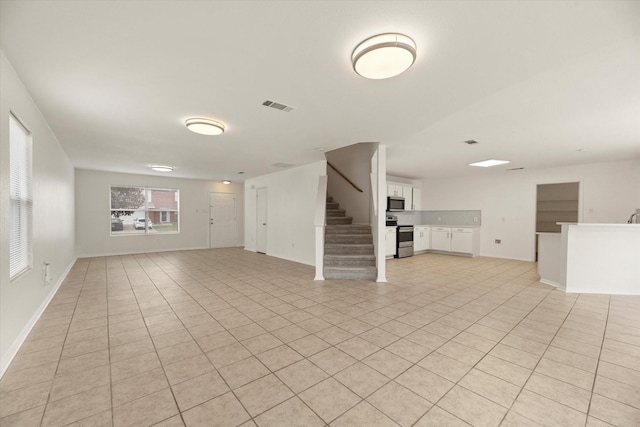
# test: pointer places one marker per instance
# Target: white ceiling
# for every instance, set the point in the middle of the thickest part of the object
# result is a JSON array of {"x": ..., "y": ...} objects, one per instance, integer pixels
[{"x": 533, "y": 82}]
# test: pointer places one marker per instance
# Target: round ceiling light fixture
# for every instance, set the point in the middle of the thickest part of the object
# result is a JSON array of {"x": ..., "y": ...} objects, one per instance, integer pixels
[
  {"x": 205, "y": 126},
  {"x": 162, "y": 168},
  {"x": 226, "y": 182},
  {"x": 383, "y": 56}
]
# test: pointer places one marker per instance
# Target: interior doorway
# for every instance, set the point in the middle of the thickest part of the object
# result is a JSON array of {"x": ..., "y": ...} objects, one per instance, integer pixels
[
  {"x": 222, "y": 220},
  {"x": 261, "y": 220},
  {"x": 558, "y": 202}
]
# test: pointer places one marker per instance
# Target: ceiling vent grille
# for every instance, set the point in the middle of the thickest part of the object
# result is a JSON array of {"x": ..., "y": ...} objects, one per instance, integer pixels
[
  {"x": 277, "y": 106},
  {"x": 283, "y": 165}
]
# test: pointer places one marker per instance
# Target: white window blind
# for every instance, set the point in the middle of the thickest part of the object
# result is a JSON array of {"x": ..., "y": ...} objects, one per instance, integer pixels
[{"x": 21, "y": 202}]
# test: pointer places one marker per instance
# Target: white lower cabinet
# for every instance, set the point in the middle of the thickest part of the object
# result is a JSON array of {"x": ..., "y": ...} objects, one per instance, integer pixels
[
  {"x": 441, "y": 239},
  {"x": 390, "y": 241},
  {"x": 463, "y": 240},
  {"x": 421, "y": 238}
]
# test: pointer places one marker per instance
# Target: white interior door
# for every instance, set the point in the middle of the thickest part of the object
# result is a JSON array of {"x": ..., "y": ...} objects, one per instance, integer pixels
[
  {"x": 261, "y": 220},
  {"x": 222, "y": 220}
]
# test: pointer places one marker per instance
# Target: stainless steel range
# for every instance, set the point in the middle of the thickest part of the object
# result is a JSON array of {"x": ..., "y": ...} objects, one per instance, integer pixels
[{"x": 404, "y": 241}]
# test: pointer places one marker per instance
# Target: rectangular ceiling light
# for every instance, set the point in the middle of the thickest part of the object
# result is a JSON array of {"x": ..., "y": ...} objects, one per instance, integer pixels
[{"x": 489, "y": 163}]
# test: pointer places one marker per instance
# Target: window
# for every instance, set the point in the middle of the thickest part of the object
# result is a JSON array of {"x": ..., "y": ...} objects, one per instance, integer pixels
[
  {"x": 141, "y": 210},
  {"x": 21, "y": 202}
]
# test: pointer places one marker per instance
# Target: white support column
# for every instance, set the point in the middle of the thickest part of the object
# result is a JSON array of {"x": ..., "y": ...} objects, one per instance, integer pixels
[
  {"x": 321, "y": 210},
  {"x": 380, "y": 224},
  {"x": 319, "y": 252}
]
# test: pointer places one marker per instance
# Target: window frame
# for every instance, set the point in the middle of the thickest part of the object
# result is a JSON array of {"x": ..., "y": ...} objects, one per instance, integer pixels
[
  {"x": 148, "y": 199},
  {"x": 23, "y": 200}
]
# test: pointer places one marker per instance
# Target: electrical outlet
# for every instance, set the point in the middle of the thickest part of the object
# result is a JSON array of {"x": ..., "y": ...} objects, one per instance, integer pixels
[
  {"x": 475, "y": 219},
  {"x": 498, "y": 241}
]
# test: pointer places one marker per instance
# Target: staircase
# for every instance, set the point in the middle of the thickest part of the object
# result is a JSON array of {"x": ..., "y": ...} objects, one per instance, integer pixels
[{"x": 348, "y": 248}]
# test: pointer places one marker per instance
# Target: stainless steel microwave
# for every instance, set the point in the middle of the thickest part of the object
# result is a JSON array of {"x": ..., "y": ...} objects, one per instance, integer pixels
[{"x": 395, "y": 204}]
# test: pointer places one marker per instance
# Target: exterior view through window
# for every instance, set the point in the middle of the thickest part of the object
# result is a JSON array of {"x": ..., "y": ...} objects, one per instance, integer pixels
[
  {"x": 21, "y": 201},
  {"x": 142, "y": 210}
]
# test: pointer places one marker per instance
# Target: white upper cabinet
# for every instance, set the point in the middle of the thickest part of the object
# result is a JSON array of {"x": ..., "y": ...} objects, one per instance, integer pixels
[
  {"x": 394, "y": 190},
  {"x": 410, "y": 194},
  {"x": 407, "y": 193},
  {"x": 416, "y": 199}
]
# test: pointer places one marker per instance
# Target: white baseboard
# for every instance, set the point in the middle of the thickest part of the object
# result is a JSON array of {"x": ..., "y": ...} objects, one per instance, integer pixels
[
  {"x": 15, "y": 347},
  {"x": 550, "y": 283},
  {"x": 144, "y": 251}
]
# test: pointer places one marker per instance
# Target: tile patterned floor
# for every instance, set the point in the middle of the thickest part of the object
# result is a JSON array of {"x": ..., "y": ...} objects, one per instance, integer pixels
[{"x": 228, "y": 337}]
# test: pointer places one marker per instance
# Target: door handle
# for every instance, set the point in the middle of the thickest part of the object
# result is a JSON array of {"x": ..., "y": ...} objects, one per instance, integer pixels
[{"x": 264, "y": 223}]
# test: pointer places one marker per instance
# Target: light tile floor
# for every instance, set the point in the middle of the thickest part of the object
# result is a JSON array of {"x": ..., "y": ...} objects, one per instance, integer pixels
[{"x": 228, "y": 337}]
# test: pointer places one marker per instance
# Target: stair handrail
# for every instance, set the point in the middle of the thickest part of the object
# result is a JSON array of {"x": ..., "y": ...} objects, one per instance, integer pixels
[{"x": 345, "y": 178}]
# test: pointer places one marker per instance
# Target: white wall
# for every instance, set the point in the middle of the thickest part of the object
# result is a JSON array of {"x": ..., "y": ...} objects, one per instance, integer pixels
[
  {"x": 354, "y": 162},
  {"x": 291, "y": 203},
  {"x": 609, "y": 192},
  {"x": 23, "y": 299},
  {"x": 93, "y": 232}
]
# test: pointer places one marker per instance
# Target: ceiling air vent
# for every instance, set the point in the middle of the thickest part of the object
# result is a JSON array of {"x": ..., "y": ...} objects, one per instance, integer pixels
[
  {"x": 282, "y": 165},
  {"x": 277, "y": 106},
  {"x": 471, "y": 142}
]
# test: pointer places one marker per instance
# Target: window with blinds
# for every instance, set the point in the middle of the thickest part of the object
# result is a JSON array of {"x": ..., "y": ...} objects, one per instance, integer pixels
[{"x": 20, "y": 198}]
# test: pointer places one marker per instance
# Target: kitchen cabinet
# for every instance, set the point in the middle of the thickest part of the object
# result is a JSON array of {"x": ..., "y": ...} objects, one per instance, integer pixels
[
  {"x": 416, "y": 199},
  {"x": 407, "y": 193},
  {"x": 421, "y": 238},
  {"x": 394, "y": 190},
  {"x": 390, "y": 241},
  {"x": 441, "y": 239},
  {"x": 410, "y": 194},
  {"x": 463, "y": 240}
]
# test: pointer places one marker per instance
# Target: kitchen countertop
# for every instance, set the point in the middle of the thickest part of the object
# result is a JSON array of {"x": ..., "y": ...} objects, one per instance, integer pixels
[
  {"x": 437, "y": 225},
  {"x": 447, "y": 225}
]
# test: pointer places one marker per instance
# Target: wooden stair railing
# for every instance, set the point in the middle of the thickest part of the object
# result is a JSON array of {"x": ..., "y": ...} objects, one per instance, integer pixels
[{"x": 345, "y": 178}]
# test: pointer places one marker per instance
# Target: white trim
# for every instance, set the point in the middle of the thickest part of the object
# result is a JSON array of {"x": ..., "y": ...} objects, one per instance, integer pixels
[
  {"x": 93, "y": 255},
  {"x": 550, "y": 283},
  {"x": 7, "y": 358}
]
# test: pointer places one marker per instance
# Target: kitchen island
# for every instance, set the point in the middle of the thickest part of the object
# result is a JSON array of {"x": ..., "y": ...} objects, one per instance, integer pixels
[{"x": 591, "y": 258}]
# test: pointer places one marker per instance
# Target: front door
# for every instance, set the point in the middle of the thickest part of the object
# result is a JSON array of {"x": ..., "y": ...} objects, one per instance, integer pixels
[{"x": 222, "y": 220}]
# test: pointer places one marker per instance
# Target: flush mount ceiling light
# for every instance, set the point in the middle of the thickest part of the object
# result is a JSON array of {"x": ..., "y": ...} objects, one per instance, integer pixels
[
  {"x": 489, "y": 163},
  {"x": 205, "y": 126},
  {"x": 162, "y": 168},
  {"x": 226, "y": 182},
  {"x": 384, "y": 56}
]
